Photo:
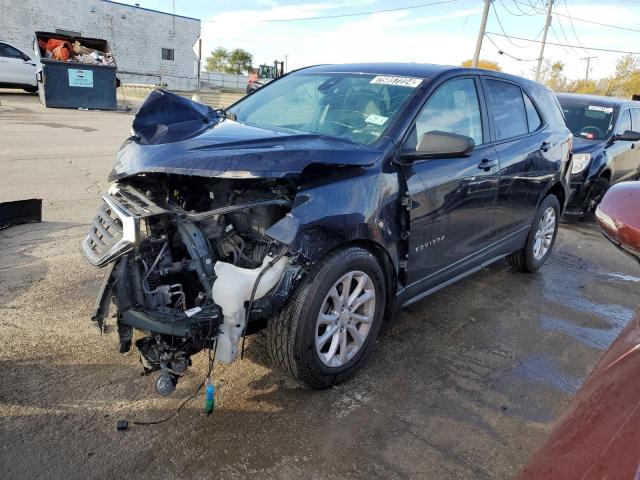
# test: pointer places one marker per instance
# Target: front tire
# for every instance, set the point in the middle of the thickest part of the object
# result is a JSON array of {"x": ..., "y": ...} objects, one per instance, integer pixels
[
  {"x": 595, "y": 196},
  {"x": 326, "y": 331},
  {"x": 540, "y": 239}
]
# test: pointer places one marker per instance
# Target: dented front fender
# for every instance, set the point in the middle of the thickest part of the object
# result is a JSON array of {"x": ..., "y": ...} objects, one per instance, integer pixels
[{"x": 361, "y": 205}]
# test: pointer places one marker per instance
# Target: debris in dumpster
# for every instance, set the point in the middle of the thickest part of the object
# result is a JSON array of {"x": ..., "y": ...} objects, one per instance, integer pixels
[
  {"x": 62, "y": 51},
  {"x": 56, "y": 49},
  {"x": 21, "y": 211}
]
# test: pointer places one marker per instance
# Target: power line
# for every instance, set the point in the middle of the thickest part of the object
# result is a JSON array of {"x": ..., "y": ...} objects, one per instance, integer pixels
[
  {"x": 533, "y": 9},
  {"x": 356, "y": 14},
  {"x": 522, "y": 14},
  {"x": 495, "y": 11},
  {"x": 627, "y": 52},
  {"x": 555, "y": 35},
  {"x": 575, "y": 34},
  {"x": 564, "y": 34},
  {"x": 629, "y": 29},
  {"x": 502, "y": 52}
]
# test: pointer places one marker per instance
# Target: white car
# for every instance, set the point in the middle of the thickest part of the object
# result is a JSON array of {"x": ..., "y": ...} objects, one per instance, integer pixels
[{"x": 17, "y": 69}]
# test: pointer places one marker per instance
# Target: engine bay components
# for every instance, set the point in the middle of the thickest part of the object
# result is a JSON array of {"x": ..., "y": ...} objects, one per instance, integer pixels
[
  {"x": 246, "y": 284},
  {"x": 185, "y": 260}
]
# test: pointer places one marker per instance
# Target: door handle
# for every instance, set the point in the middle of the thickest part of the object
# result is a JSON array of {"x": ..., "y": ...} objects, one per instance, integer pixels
[
  {"x": 487, "y": 164},
  {"x": 545, "y": 146}
]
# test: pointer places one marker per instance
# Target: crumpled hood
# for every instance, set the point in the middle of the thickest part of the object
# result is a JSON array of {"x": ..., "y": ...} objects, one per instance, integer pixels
[{"x": 217, "y": 147}]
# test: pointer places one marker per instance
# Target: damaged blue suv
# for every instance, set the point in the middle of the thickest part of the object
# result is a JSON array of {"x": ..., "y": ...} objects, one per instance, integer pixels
[{"x": 319, "y": 205}]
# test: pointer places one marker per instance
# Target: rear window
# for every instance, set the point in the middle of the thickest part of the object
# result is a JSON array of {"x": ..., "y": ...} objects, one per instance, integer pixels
[
  {"x": 533, "y": 118},
  {"x": 550, "y": 107},
  {"x": 507, "y": 109}
]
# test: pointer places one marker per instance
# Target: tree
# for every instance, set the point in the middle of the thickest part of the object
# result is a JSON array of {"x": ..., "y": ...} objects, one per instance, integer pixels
[
  {"x": 583, "y": 86},
  {"x": 551, "y": 75},
  {"x": 218, "y": 61},
  {"x": 486, "y": 64},
  {"x": 239, "y": 61},
  {"x": 626, "y": 79}
]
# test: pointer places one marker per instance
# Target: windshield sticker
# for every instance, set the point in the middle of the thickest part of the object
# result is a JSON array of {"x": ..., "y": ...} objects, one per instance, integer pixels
[
  {"x": 399, "y": 81},
  {"x": 601, "y": 109},
  {"x": 376, "y": 119}
]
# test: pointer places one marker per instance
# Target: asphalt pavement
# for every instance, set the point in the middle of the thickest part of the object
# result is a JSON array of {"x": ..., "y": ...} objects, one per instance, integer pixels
[{"x": 463, "y": 384}]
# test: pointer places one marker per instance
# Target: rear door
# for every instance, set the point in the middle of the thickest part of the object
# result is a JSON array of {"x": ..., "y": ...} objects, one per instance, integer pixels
[
  {"x": 14, "y": 68},
  {"x": 452, "y": 198},
  {"x": 529, "y": 158}
]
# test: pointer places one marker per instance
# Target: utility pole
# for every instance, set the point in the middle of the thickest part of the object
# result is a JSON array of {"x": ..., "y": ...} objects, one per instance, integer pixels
[
  {"x": 199, "y": 61},
  {"x": 483, "y": 26},
  {"x": 544, "y": 39},
  {"x": 586, "y": 74}
]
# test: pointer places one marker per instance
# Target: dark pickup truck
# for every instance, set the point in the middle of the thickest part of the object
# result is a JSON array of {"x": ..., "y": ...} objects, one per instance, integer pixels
[{"x": 319, "y": 205}]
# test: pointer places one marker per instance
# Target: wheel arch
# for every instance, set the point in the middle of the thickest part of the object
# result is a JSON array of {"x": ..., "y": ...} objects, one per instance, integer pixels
[
  {"x": 384, "y": 259},
  {"x": 559, "y": 191}
]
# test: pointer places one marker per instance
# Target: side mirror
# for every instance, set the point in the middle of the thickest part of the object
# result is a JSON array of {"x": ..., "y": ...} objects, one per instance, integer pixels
[
  {"x": 436, "y": 144},
  {"x": 26, "y": 57},
  {"x": 628, "y": 136},
  {"x": 618, "y": 218}
]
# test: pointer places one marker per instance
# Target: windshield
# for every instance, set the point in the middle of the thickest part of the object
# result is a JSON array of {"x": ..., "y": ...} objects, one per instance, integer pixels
[
  {"x": 588, "y": 120},
  {"x": 352, "y": 107}
]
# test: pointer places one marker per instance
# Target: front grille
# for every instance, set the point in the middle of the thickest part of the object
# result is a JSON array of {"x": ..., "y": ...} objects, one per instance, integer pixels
[
  {"x": 105, "y": 232},
  {"x": 115, "y": 228}
]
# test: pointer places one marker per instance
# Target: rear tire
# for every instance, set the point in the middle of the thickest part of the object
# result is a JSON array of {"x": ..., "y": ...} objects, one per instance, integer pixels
[
  {"x": 31, "y": 89},
  {"x": 541, "y": 238},
  {"x": 320, "y": 309}
]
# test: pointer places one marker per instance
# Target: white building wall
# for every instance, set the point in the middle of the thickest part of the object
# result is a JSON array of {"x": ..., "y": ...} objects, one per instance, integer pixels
[{"x": 136, "y": 35}]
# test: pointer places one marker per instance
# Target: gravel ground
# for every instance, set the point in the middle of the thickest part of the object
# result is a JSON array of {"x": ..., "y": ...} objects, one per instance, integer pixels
[{"x": 464, "y": 384}]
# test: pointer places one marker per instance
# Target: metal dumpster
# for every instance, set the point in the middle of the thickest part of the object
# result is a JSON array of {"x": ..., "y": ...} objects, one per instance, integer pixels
[{"x": 74, "y": 83}]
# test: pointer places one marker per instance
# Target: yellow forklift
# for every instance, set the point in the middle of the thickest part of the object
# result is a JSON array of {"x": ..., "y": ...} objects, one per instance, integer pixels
[{"x": 264, "y": 74}]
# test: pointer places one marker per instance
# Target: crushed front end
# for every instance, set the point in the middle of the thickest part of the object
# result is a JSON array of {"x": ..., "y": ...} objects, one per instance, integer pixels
[{"x": 188, "y": 263}]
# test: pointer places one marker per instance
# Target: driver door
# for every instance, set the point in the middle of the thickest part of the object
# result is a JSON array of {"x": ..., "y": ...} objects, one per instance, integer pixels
[{"x": 452, "y": 198}]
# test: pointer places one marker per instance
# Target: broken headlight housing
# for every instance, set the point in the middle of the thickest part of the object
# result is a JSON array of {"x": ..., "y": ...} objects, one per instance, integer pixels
[{"x": 580, "y": 161}]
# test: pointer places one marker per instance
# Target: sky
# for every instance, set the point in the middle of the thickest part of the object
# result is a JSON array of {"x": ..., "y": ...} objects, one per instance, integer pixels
[{"x": 443, "y": 34}]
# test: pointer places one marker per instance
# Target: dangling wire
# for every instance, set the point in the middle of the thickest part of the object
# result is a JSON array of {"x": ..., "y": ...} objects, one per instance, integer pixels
[{"x": 193, "y": 395}]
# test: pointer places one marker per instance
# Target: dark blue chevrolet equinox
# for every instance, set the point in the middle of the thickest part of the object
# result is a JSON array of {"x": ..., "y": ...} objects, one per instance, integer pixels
[{"x": 319, "y": 205}]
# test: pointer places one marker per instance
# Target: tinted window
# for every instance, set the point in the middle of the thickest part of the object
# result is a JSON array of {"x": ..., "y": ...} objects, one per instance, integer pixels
[
  {"x": 533, "y": 118},
  {"x": 506, "y": 106},
  {"x": 551, "y": 107},
  {"x": 635, "y": 119},
  {"x": 453, "y": 108},
  {"x": 9, "y": 51},
  {"x": 624, "y": 123}
]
